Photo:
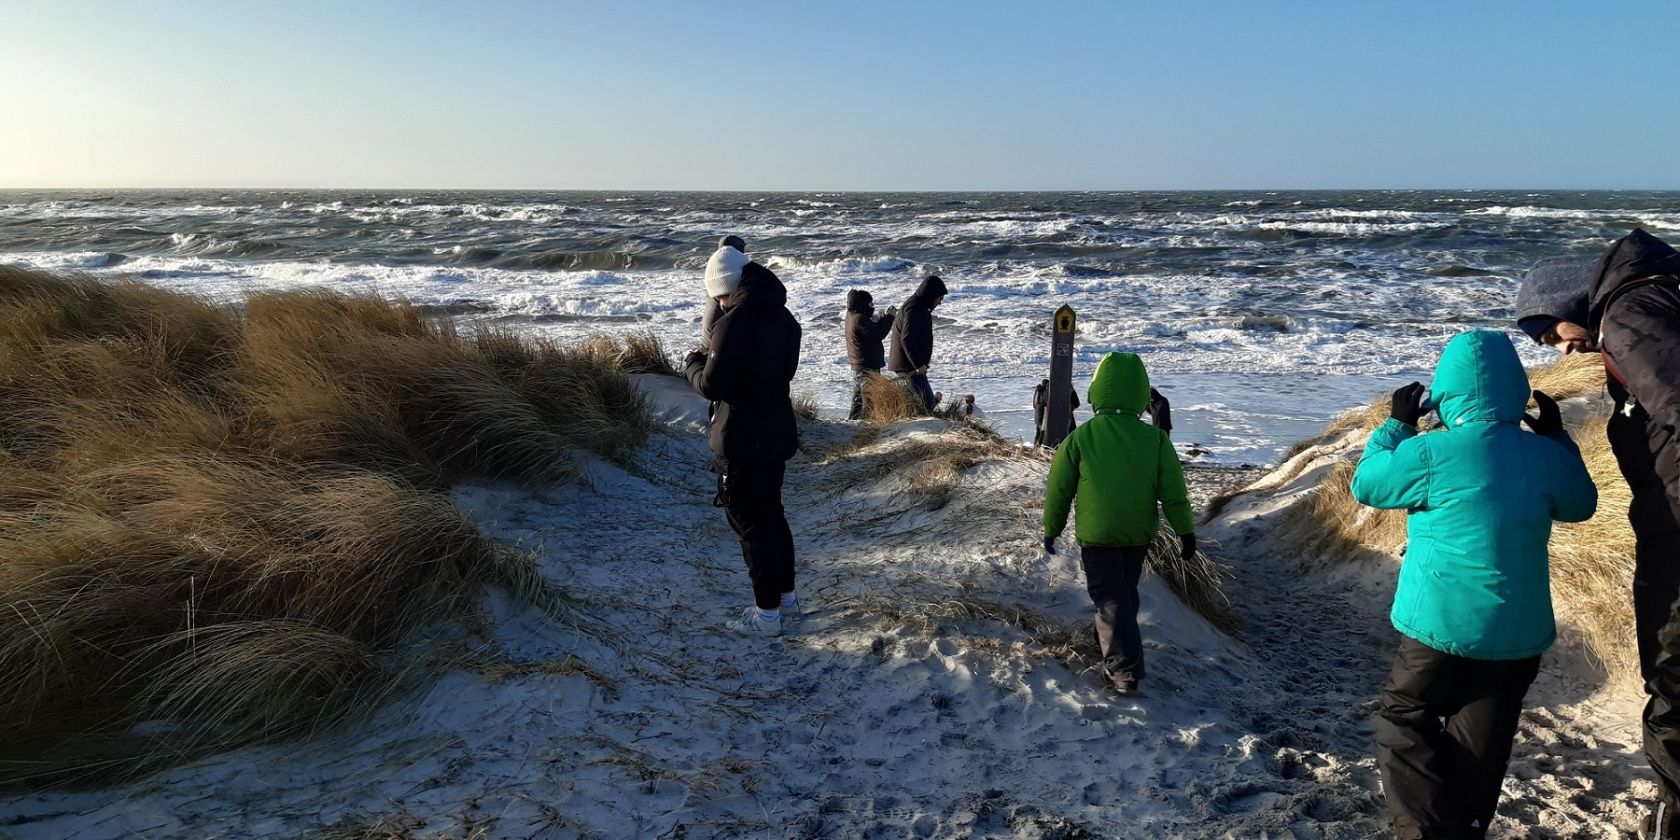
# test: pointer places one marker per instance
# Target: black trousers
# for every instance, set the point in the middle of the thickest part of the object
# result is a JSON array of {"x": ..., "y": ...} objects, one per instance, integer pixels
[
  {"x": 1111, "y": 576},
  {"x": 1656, "y": 581},
  {"x": 751, "y": 496},
  {"x": 859, "y": 377},
  {"x": 1444, "y": 736}
]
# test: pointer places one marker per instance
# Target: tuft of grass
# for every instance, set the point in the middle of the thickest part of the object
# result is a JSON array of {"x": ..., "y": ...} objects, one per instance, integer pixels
[
  {"x": 805, "y": 407},
  {"x": 932, "y": 464},
  {"x": 639, "y": 351},
  {"x": 224, "y": 525},
  {"x": 889, "y": 399},
  {"x": 1198, "y": 581}
]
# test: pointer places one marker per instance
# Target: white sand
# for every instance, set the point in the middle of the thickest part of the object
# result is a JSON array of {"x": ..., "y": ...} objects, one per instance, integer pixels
[{"x": 867, "y": 721}]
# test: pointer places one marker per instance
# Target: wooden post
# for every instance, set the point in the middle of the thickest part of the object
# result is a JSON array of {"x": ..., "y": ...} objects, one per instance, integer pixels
[{"x": 1058, "y": 412}]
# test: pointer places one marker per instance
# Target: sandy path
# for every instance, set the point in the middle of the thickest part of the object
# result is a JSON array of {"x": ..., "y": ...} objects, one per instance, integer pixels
[{"x": 939, "y": 687}]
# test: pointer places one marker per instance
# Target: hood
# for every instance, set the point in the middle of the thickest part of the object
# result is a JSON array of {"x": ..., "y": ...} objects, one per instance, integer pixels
[
  {"x": 760, "y": 287},
  {"x": 858, "y": 300},
  {"x": 1479, "y": 377},
  {"x": 1630, "y": 259},
  {"x": 1555, "y": 289},
  {"x": 1121, "y": 384},
  {"x": 931, "y": 288}
]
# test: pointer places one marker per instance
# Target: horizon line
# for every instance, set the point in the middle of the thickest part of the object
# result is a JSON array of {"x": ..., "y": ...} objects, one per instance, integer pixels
[{"x": 895, "y": 191}]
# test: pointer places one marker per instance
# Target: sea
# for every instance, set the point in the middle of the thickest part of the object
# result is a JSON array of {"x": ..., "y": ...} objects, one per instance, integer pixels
[{"x": 1261, "y": 315}]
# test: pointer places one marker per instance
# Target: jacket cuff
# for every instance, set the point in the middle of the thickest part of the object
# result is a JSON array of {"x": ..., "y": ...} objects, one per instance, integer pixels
[{"x": 1395, "y": 427}]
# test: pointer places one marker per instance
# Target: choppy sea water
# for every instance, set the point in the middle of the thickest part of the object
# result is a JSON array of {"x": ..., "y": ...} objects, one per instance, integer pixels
[{"x": 1261, "y": 314}]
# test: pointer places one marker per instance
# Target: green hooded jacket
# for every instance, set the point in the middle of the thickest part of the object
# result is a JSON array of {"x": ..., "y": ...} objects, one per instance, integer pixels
[
  {"x": 1119, "y": 466},
  {"x": 1481, "y": 496}
]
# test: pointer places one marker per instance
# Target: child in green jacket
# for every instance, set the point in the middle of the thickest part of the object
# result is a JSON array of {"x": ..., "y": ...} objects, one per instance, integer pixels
[{"x": 1125, "y": 472}]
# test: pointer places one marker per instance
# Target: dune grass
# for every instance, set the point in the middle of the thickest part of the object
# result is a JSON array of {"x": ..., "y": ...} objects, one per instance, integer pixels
[
  {"x": 230, "y": 523},
  {"x": 1592, "y": 561},
  {"x": 805, "y": 406},
  {"x": 889, "y": 399}
]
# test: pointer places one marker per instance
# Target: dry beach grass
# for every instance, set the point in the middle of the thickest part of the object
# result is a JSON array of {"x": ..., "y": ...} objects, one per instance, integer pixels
[{"x": 229, "y": 523}]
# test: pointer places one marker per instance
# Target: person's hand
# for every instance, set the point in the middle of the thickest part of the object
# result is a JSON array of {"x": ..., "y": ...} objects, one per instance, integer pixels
[
  {"x": 698, "y": 357},
  {"x": 1407, "y": 405},
  {"x": 1187, "y": 547},
  {"x": 1550, "y": 420},
  {"x": 1049, "y": 545},
  {"x": 892, "y": 310}
]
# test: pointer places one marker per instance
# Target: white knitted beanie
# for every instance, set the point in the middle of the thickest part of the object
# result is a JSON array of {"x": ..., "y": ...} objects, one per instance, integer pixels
[{"x": 723, "y": 271}]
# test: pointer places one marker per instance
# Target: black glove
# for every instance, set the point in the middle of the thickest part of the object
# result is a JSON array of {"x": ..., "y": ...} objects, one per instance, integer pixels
[
  {"x": 697, "y": 357},
  {"x": 1407, "y": 405},
  {"x": 1049, "y": 545},
  {"x": 1160, "y": 411},
  {"x": 1187, "y": 547},
  {"x": 1550, "y": 421}
]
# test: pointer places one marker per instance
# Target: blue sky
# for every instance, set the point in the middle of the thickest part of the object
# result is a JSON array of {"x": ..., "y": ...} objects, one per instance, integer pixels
[{"x": 858, "y": 95}]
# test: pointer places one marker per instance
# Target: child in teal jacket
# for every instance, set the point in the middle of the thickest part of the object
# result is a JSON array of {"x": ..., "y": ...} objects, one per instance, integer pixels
[{"x": 1473, "y": 604}]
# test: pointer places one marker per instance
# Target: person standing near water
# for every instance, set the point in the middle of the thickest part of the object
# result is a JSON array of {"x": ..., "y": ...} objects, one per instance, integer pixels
[
  {"x": 1474, "y": 602},
  {"x": 1626, "y": 305},
  {"x": 865, "y": 332},
  {"x": 745, "y": 372},
  {"x": 912, "y": 338}
]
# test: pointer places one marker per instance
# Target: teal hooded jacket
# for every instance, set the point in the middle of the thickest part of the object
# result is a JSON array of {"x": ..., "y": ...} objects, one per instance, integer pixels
[
  {"x": 1481, "y": 496},
  {"x": 1124, "y": 471}
]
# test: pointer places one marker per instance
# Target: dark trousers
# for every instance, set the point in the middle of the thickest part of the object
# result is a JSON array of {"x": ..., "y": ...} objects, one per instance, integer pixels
[
  {"x": 751, "y": 497},
  {"x": 859, "y": 378},
  {"x": 919, "y": 384},
  {"x": 1656, "y": 579},
  {"x": 1111, "y": 576},
  {"x": 1444, "y": 737}
]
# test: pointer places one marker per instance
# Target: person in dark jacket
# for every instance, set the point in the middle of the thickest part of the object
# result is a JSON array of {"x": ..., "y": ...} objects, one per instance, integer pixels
[
  {"x": 1041, "y": 410},
  {"x": 746, "y": 372},
  {"x": 1627, "y": 305},
  {"x": 912, "y": 337},
  {"x": 865, "y": 334}
]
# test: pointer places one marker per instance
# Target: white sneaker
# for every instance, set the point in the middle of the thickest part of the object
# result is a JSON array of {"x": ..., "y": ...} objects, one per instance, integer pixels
[{"x": 753, "y": 623}]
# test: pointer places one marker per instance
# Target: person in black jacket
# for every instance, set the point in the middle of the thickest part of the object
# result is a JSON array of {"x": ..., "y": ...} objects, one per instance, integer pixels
[
  {"x": 912, "y": 337},
  {"x": 865, "y": 332},
  {"x": 746, "y": 371},
  {"x": 1627, "y": 306}
]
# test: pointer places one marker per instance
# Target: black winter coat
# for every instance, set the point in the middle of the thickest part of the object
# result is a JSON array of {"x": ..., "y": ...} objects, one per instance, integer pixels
[
  {"x": 746, "y": 371},
  {"x": 865, "y": 332},
  {"x": 1634, "y": 308},
  {"x": 912, "y": 333}
]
